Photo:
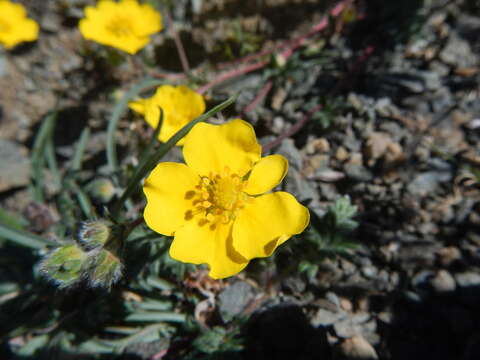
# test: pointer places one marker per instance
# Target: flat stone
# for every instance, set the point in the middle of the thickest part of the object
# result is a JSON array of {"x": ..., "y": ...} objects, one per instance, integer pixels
[
  {"x": 355, "y": 348},
  {"x": 14, "y": 165},
  {"x": 443, "y": 282},
  {"x": 325, "y": 317},
  {"x": 234, "y": 299},
  {"x": 288, "y": 149}
]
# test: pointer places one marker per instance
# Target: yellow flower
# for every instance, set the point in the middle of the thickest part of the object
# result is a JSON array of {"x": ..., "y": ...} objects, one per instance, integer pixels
[
  {"x": 15, "y": 27},
  {"x": 125, "y": 25},
  {"x": 215, "y": 205},
  {"x": 180, "y": 105}
]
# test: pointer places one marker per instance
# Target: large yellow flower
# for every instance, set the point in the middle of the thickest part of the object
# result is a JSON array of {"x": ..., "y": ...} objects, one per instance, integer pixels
[
  {"x": 180, "y": 105},
  {"x": 213, "y": 204},
  {"x": 15, "y": 27},
  {"x": 125, "y": 25}
]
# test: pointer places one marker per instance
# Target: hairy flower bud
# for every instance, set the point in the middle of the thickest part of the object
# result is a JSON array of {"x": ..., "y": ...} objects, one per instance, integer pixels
[
  {"x": 101, "y": 189},
  {"x": 94, "y": 234},
  {"x": 64, "y": 265},
  {"x": 105, "y": 268}
]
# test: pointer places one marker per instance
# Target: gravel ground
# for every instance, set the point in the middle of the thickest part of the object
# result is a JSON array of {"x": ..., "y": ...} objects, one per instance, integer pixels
[{"x": 400, "y": 138}]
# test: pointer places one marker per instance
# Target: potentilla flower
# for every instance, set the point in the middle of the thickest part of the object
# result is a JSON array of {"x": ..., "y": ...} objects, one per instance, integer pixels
[
  {"x": 125, "y": 25},
  {"x": 216, "y": 205},
  {"x": 179, "y": 104},
  {"x": 15, "y": 27}
]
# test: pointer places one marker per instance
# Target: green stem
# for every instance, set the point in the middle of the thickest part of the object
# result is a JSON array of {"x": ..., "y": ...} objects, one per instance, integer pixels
[
  {"x": 115, "y": 118},
  {"x": 38, "y": 155}
]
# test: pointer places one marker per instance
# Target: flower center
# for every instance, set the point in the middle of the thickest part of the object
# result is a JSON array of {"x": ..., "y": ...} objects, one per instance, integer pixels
[
  {"x": 217, "y": 199},
  {"x": 4, "y": 26},
  {"x": 120, "y": 26}
]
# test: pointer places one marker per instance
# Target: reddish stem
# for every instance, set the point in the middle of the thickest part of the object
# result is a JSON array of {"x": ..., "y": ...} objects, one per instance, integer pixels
[
  {"x": 291, "y": 45},
  {"x": 168, "y": 76},
  {"x": 178, "y": 43},
  {"x": 261, "y": 94},
  {"x": 335, "y": 11},
  {"x": 306, "y": 118},
  {"x": 232, "y": 74}
]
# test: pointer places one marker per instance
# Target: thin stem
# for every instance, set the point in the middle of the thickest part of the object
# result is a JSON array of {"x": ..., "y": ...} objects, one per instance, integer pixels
[
  {"x": 115, "y": 118},
  {"x": 132, "y": 226},
  {"x": 293, "y": 130},
  {"x": 261, "y": 94},
  {"x": 232, "y": 74},
  {"x": 340, "y": 85},
  {"x": 334, "y": 12},
  {"x": 290, "y": 46},
  {"x": 178, "y": 43}
]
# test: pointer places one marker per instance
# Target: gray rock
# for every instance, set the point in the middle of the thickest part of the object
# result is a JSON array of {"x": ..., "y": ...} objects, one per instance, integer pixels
[
  {"x": 3, "y": 65},
  {"x": 14, "y": 165},
  {"x": 412, "y": 255},
  {"x": 457, "y": 52},
  {"x": 355, "y": 348},
  {"x": 295, "y": 284},
  {"x": 467, "y": 279},
  {"x": 421, "y": 279},
  {"x": 439, "y": 68},
  {"x": 426, "y": 182},
  {"x": 358, "y": 172},
  {"x": 288, "y": 149},
  {"x": 370, "y": 272},
  {"x": 443, "y": 282},
  {"x": 234, "y": 299},
  {"x": 325, "y": 317},
  {"x": 303, "y": 190},
  {"x": 441, "y": 100},
  {"x": 347, "y": 328},
  {"x": 50, "y": 22}
]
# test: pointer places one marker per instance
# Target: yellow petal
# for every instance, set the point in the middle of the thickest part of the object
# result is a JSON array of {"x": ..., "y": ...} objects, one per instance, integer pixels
[
  {"x": 212, "y": 148},
  {"x": 151, "y": 20},
  {"x": 200, "y": 244},
  {"x": 166, "y": 190},
  {"x": 125, "y": 25},
  {"x": 180, "y": 105},
  {"x": 268, "y": 221},
  {"x": 138, "y": 106},
  {"x": 15, "y": 27},
  {"x": 266, "y": 174}
]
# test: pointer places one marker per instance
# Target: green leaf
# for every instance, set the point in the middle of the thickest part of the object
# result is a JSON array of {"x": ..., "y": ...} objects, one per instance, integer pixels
[
  {"x": 23, "y": 238},
  {"x": 156, "y": 317},
  {"x": 344, "y": 211},
  {"x": 118, "y": 110},
  {"x": 15, "y": 221},
  {"x": 80, "y": 150},
  {"x": 38, "y": 155}
]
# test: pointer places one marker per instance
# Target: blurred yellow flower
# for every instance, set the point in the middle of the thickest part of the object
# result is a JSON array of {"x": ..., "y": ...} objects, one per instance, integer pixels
[
  {"x": 180, "y": 105},
  {"x": 15, "y": 27},
  {"x": 125, "y": 25},
  {"x": 217, "y": 206}
]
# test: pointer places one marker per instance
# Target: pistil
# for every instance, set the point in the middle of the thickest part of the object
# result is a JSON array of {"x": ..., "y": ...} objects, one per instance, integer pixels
[{"x": 217, "y": 199}]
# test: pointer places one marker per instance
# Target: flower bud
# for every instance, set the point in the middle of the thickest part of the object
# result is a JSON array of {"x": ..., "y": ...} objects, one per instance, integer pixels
[
  {"x": 64, "y": 265},
  {"x": 94, "y": 234},
  {"x": 101, "y": 189},
  {"x": 280, "y": 60},
  {"x": 105, "y": 269}
]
